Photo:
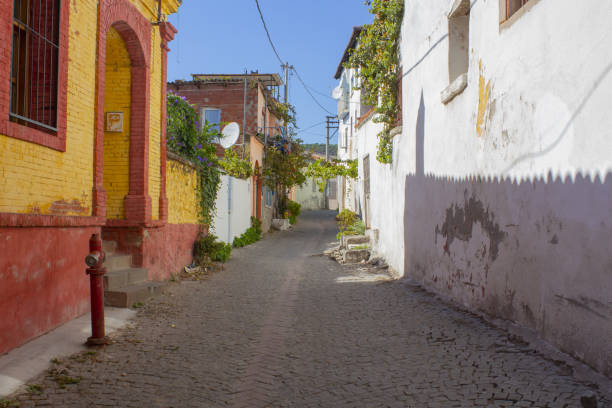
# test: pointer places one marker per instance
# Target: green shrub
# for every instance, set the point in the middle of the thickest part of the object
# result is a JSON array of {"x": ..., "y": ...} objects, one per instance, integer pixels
[
  {"x": 208, "y": 248},
  {"x": 292, "y": 219},
  {"x": 294, "y": 208},
  {"x": 251, "y": 235},
  {"x": 349, "y": 224}
]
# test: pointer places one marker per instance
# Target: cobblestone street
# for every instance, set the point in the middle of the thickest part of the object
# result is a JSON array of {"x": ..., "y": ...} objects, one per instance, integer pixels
[{"x": 283, "y": 326}]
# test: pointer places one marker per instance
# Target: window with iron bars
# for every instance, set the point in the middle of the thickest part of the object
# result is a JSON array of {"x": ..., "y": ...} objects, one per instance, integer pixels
[
  {"x": 511, "y": 7},
  {"x": 34, "y": 67}
]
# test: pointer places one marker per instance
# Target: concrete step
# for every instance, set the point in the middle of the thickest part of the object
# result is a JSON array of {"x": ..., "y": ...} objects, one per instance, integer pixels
[
  {"x": 116, "y": 279},
  {"x": 354, "y": 240},
  {"x": 128, "y": 295},
  {"x": 109, "y": 247},
  {"x": 117, "y": 262},
  {"x": 356, "y": 255}
]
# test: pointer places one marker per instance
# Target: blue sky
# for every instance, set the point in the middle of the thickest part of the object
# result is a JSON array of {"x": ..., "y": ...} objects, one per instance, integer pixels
[{"x": 228, "y": 37}]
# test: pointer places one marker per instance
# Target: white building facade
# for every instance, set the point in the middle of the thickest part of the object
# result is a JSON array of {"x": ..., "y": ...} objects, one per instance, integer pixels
[{"x": 499, "y": 195}]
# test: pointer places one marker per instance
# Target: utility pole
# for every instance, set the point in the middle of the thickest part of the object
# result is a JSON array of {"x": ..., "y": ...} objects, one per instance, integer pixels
[
  {"x": 331, "y": 123},
  {"x": 286, "y": 67}
]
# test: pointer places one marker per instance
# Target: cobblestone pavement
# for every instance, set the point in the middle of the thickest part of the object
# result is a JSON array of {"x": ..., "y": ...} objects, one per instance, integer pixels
[{"x": 283, "y": 327}]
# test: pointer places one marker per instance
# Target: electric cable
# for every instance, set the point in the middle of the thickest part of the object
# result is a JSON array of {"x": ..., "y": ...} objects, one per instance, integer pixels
[
  {"x": 268, "y": 32},
  {"x": 308, "y": 90},
  {"x": 310, "y": 127}
]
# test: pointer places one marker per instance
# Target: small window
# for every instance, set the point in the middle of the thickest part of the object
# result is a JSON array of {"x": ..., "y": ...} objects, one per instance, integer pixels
[
  {"x": 212, "y": 116},
  {"x": 458, "y": 37},
  {"x": 268, "y": 196},
  {"x": 34, "y": 65},
  {"x": 458, "y": 49},
  {"x": 345, "y": 144},
  {"x": 509, "y": 7}
]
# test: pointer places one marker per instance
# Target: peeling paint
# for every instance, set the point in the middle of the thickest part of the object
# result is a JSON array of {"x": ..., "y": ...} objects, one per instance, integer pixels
[
  {"x": 460, "y": 221},
  {"x": 59, "y": 207},
  {"x": 484, "y": 94}
]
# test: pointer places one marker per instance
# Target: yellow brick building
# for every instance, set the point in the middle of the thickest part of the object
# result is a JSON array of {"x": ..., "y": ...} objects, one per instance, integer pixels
[{"x": 82, "y": 151}]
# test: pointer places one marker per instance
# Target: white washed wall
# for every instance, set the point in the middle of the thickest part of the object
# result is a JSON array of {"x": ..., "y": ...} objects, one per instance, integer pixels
[
  {"x": 233, "y": 208},
  {"x": 500, "y": 199}
]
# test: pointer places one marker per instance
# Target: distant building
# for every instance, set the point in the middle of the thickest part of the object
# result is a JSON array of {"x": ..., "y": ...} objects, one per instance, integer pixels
[{"x": 249, "y": 100}]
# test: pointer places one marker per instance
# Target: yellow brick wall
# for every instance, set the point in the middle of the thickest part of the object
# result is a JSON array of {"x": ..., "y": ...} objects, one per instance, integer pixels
[
  {"x": 33, "y": 177},
  {"x": 155, "y": 114},
  {"x": 181, "y": 188},
  {"x": 117, "y": 145}
]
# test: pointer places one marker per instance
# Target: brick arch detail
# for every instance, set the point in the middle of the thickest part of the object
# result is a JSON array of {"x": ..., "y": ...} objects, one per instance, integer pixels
[{"x": 135, "y": 30}]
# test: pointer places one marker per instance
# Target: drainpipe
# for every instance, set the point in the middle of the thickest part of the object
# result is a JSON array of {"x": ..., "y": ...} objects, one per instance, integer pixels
[
  {"x": 244, "y": 112},
  {"x": 229, "y": 209}
]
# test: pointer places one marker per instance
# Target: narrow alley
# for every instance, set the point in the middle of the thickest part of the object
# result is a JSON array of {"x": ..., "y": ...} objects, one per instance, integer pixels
[{"x": 283, "y": 326}]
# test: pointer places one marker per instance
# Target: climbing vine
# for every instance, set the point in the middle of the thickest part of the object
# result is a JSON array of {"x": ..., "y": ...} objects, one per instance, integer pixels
[
  {"x": 235, "y": 165},
  {"x": 376, "y": 59},
  {"x": 322, "y": 171},
  {"x": 193, "y": 142},
  {"x": 282, "y": 111}
]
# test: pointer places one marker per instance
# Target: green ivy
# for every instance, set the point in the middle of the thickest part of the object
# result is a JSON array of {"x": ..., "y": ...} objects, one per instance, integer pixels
[
  {"x": 236, "y": 166},
  {"x": 195, "y": 143},
  {"x": 322, "y": 171},
  {"x": 376, "y": 58}
]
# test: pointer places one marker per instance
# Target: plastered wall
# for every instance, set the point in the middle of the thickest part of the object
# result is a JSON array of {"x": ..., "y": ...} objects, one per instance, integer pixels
[
  {"x": 233, "y": 215},
  {"x": 499, "y": 199}
]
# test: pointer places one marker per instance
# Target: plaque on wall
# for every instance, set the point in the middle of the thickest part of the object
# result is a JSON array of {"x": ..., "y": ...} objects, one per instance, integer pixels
[{"x": 114, "y": 122}]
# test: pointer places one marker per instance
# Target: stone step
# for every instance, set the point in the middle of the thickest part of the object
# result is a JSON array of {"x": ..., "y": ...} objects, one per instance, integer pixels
[
  {"x": 109, "y": 247},
  {"x": 117, "y": 262},
  {"x": 116, "y": 279},
  {"x": 355, "y": 239},
  {"x": 128, "y": 295},
  {"x": 356, "y": 255}
]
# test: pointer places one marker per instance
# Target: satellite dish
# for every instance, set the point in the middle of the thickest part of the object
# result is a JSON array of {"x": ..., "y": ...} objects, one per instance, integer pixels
[{"x": 229, "y": 135}]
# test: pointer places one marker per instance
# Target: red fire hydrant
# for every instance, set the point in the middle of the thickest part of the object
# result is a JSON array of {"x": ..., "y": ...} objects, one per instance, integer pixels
[{"x": 96, "y": 271}]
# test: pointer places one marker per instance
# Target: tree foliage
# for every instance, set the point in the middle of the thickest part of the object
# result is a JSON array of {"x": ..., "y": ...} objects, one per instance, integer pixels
[
  {"x": 322, "y": 170},
  {"x": 235, "y": 165},
  {"x": 284, "y": 165},
  {"x": 195, "y": 143},
  {"x": 376, "y": 58}
]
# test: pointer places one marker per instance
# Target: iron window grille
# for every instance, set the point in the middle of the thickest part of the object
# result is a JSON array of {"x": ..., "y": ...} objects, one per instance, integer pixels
[{"x": 34, "y": 65}]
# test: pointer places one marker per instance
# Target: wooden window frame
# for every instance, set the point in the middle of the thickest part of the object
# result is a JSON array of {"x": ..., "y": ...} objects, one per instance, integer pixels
[
  {"x": 55, "y": 140},
  {"x": 506, "y": 8},
  {"x": 203, "y": 118}
]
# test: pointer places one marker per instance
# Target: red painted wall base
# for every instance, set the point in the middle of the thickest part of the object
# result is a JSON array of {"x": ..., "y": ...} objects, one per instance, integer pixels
[
  {"x": 42, "y": 280},
  {"x": 163, "y": 250}
]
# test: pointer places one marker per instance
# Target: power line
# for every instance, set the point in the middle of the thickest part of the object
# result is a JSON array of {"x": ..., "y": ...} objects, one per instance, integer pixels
[
  {"x": 267, "y": 32},
  {"x": 310, "y": 127},
  {"x": 320, "y": 93},
  {"x": 263, "y": 21},
  {"x": 310, "y": 93}
]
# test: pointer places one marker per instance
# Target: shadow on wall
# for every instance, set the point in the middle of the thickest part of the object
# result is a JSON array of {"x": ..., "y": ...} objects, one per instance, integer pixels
[{"x": 535, "y": 252}]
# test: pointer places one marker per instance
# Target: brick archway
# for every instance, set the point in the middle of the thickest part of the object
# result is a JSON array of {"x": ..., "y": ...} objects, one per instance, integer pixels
[{"x": 135, "y": 31}]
